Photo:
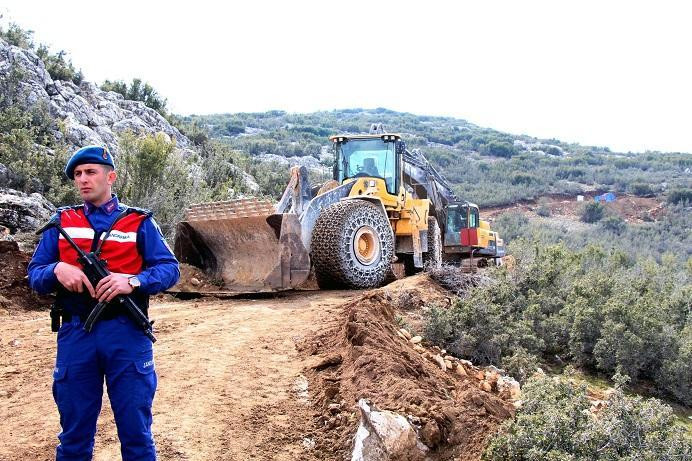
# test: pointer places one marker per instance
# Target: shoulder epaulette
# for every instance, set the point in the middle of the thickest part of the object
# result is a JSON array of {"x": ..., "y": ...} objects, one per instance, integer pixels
[
  {"x": 144, "y": 211},
  {"x": 69, "y": 207}
]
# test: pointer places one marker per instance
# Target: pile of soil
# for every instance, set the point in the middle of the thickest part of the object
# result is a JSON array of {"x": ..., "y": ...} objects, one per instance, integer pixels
[
  {"x": 362, "y": 355},
  {"x": 15, "y": 293},
  {"x": 412, "y": 297},
  {"x": 193, "y": 279}
]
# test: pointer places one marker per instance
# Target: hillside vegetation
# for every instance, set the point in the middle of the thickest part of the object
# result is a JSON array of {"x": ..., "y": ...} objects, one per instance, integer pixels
[{"x": 485, "y": 166}]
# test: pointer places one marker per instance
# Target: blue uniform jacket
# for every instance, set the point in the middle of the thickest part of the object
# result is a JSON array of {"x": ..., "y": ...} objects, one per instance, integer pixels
[{"x": 160, "y": 266}]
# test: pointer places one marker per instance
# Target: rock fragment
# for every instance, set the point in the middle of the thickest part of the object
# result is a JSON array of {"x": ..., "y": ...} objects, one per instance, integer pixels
[
  {"x": 440, "y": 362},
  {"x": 384, "y": 435}
]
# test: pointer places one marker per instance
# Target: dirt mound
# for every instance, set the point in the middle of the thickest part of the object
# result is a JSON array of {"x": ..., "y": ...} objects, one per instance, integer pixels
[
  {"x": 15, "y": 293},
  {"x": 413, "y": 293},
  {"x": 364, "y": 355},
  {"x": 412, "y": 296}
]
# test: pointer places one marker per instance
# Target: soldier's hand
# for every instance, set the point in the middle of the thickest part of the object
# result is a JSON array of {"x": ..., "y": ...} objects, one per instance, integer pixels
[
  {"x": 111, "y": 286},
  {"x": 73, "y": 279}
]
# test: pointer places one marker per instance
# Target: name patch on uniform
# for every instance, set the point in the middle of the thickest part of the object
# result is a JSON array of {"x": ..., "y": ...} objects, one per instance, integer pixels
[{"x": 123, "y": 236}]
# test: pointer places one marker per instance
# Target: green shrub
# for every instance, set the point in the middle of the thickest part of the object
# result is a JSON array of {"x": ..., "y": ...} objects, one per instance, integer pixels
[
  {"x": 511, "y": 225},
  {"x": 223, "y": 169},
  {"x": 641, "y": 189},
  {"x": 553, "y": 150},
  {"x": 555, "y": 422},
  {"x": 595, "y": 309},
  {"x": 521, "y": 364},
  {"x": 592, "y": 212},
  {"x": 58, "y": 66},
  {"x": 524, "y": 178},
  {"x": 271, "y": 177},
  {"x": 234, "y": 127},
  {"x": 152, "y": 176},
  {"x": 681, "y": 196},
  {"x": 614, "y": 224},
  {"x": 543, "y": 209},
  {"x": 498, "y": 149},
  {"x": 27, "y": 148},
  {"x": 16, "y": 36},
  {"x": 137, "y": 91}
]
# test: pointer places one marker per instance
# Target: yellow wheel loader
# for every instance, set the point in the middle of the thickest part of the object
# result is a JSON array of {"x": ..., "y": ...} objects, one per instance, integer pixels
[{"x": 349, "y": 231}]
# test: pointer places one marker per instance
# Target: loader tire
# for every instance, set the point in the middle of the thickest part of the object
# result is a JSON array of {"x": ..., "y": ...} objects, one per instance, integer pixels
[
  {"x": 433, "y": 258},
  {"x": 352, "y": 246}
]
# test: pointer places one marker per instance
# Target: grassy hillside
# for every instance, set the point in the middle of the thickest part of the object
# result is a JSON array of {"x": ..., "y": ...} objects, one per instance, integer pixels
[{"x": 484, "y": 165}]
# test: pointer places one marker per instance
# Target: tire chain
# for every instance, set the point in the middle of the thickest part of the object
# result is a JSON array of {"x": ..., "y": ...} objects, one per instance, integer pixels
[
  {"x": 433, "y": 258},
  {"x": 332, "y": 252}
]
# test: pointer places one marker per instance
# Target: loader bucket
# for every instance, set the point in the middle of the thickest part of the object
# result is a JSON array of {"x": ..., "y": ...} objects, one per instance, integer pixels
[{"x": 245, "y": 245}]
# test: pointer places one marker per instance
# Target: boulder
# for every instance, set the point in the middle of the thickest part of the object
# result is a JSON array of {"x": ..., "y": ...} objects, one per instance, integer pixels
[
  {"x": 384, "y": 435},
  {"x": 308, "y": 161},
  {"x": 7, "y": 177},
  {"x": 86, "y": 115},
  {"x": 20, "y": 212}
]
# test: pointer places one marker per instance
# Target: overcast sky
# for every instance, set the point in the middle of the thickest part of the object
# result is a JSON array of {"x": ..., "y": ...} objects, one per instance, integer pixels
[{"x": 607, "y": 73}]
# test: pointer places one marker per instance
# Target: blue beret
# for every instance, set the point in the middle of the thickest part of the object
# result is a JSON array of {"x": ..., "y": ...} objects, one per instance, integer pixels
[{"x": 88, "y": 154}]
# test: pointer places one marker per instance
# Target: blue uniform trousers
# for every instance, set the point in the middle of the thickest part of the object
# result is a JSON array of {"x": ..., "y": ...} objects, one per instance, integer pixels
[{"x": 117, "y": 350}]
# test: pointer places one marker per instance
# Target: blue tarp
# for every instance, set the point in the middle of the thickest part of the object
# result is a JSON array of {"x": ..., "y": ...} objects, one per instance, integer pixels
[{"x": 609, "y": 197}]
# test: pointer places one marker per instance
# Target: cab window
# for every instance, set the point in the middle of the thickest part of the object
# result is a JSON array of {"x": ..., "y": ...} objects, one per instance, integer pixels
[
  {"x": 473, "y": 218},
  {"x": 456, "y": 221},
  {"x": 373, "y": 158}
]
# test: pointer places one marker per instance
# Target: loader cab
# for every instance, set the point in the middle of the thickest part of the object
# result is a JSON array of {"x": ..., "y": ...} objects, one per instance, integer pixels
[
  {"x": 462, "y": 220},
  {"x": 371, "y": 156}
]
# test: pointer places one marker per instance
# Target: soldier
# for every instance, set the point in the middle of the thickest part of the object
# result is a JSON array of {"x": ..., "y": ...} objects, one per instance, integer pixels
[{"x": 141, "y": 264}]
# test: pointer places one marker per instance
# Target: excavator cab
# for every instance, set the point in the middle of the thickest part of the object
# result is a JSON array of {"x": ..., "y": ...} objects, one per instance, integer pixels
[{"x": 466, "y": 233}]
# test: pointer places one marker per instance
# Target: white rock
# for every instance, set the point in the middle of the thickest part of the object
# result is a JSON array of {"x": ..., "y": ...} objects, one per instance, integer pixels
[
  {"x": 384, "y": 435},
  {"x": 22, "y": 212},
  {"x": 440, "y": 362}
]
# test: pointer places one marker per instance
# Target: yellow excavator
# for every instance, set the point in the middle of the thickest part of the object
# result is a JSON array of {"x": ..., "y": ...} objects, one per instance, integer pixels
[
  {"x": 467, "y": 240},
  {"x": 348, "y": 232}
]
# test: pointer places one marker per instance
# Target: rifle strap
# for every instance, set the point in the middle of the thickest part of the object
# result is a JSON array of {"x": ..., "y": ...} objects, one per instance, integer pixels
[{"x": 103, "y": 237}]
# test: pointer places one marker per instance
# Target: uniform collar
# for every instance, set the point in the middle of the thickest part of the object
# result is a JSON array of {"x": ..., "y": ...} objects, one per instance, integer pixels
[{"x": 108, "y": 208}]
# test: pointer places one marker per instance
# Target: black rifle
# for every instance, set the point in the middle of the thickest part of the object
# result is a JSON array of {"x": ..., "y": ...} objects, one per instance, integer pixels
[{"x": 95, "y": 269}]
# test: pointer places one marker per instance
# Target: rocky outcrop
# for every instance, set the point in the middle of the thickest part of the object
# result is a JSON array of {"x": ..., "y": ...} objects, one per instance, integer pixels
[
  {"x": 84, "y": 114},
  {"x": 309, "y": 162},
  {"x": 88, "y": 114},
  {"x": 20, "y": 212}
]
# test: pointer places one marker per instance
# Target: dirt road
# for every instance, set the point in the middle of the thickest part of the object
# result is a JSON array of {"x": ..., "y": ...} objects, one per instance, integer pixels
[{"x": 230, "y": 383}]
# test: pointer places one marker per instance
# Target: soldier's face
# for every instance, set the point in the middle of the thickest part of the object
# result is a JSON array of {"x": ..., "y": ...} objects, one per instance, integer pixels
[{"x": 94, "y": 182}]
